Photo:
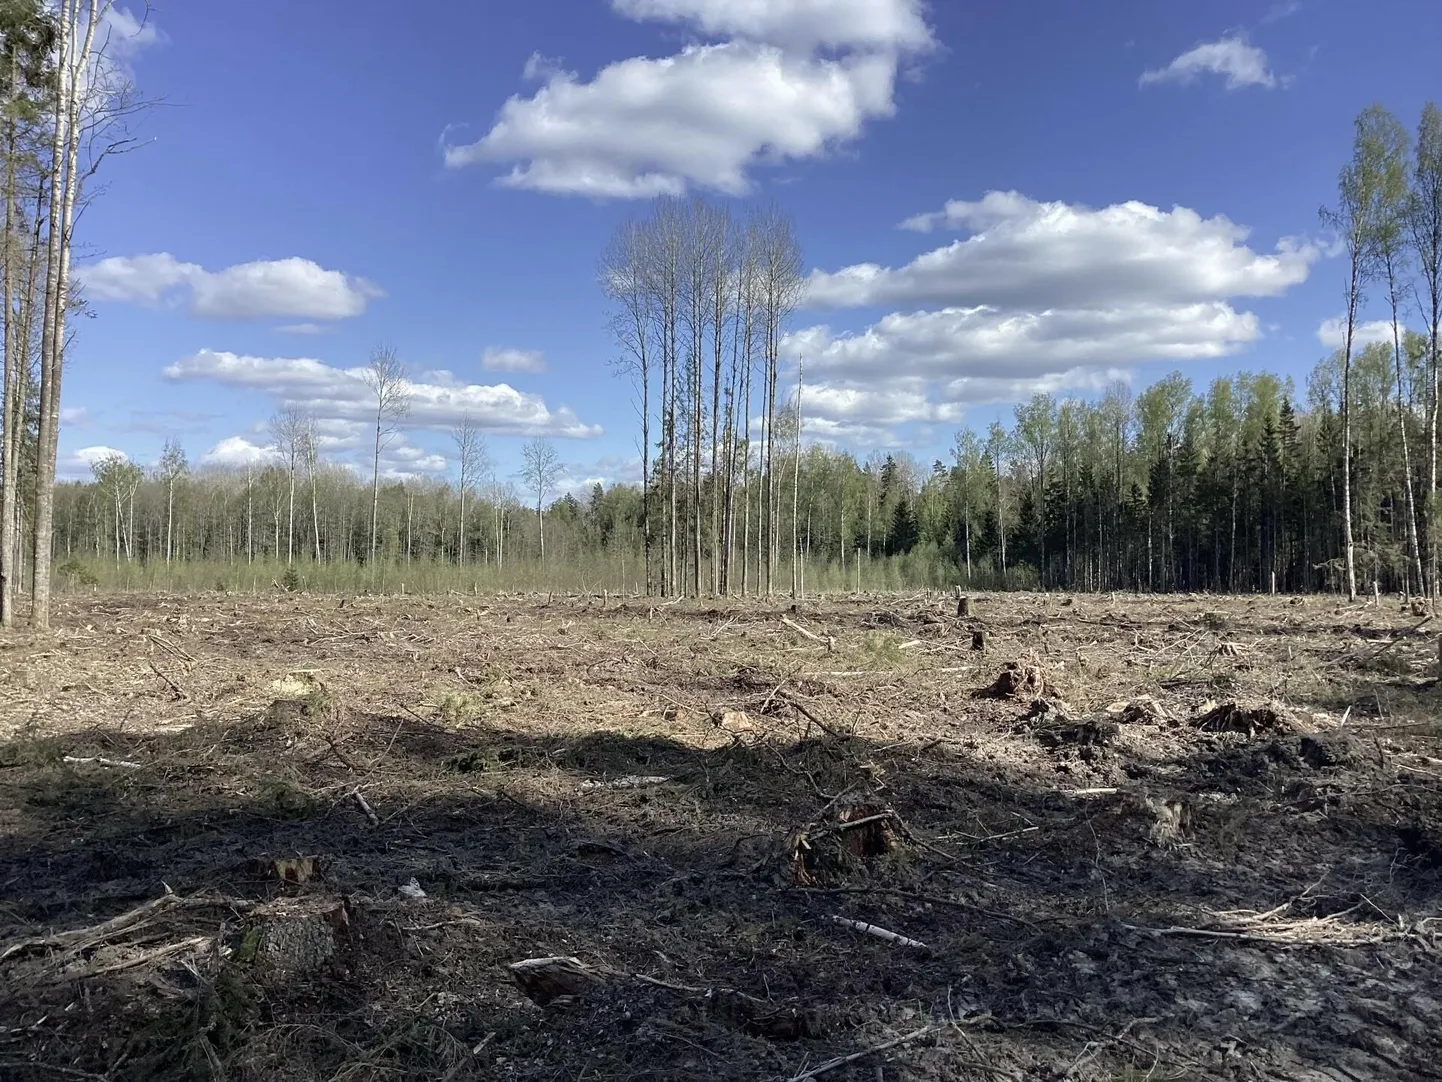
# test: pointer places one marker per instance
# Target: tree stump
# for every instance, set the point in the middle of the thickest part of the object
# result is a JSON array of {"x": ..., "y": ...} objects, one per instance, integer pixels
[
  {"x": 963, "y": 605},
  {"x": 978, "y": 641}
]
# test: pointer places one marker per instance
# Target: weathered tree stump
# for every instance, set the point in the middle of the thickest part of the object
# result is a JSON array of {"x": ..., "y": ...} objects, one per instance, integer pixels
[
  {"x": 553, "y": 979},
  {"x": 963, "y": 605},
  {"x": 978, "y": 641}
]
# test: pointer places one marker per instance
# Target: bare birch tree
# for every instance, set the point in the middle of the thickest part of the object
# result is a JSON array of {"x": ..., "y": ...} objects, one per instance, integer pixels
[
  {"x": 385, "y": 376},
  {"x": 473, "y": 461},
  {"x": 310, "y": 453},
  {"x": 540, "y": 468},
  {"x": 625, "y": 278},
  {"x": 173, "y": 468},
  {"x": 288, "y": 429}
]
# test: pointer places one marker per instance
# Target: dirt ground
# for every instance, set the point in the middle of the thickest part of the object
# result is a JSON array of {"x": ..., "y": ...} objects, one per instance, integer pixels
[{"x": 305, "y": 838}]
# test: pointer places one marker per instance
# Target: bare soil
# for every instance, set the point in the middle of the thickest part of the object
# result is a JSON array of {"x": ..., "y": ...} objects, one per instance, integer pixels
[{"x": 307, "y": 838}]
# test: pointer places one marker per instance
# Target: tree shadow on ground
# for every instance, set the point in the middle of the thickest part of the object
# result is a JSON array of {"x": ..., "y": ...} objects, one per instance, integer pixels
[{"x": 1075, "y": 934}]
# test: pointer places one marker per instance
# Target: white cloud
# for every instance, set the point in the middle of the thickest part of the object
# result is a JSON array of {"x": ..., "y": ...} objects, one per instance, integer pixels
[
  {"x": 303, "y": 328},
  {"x": 1038, "y": 254},
  {"x": 990, "y": 342},
  {"x": 122, "y": 33},
  {"x": 802, "y": 24},
  {"x": 1241, "y": 63},
  {"x": 900, "y": 402},
  {"x": 497, "y": 359},
  {"x": 293, "y": 287},
  {"x": 237, "y": 451},
  {"x": 928, "y": 366},
  {"x": 144, "y": 279},
  {"x": 76, "y": 465},
  {"x": 76, "y": 416},
  {"x": 540, "y": 68},
  {"x": 1053, "y": 297},
  {"x": 645, "y": 127},
  {"x": 763, "y": 94},
  {"x": 438, "y": 400},
  {"x": 121, "y": 36},
  {"x": 1333, "y": 333}
]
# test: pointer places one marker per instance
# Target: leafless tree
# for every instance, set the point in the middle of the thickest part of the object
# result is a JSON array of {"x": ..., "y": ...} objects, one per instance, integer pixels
[
  {"x": 289, "y": 430},
  {"x": 385, "y": 376},
  {"x": 473, "y": 461},
  {"x": 173, "y": 467},
  {"x": 540, "y": 469},
  {"x": 624, "y": 275},
  {"x": 781, "y": 285},
  {"x": 310, "y": 452}
]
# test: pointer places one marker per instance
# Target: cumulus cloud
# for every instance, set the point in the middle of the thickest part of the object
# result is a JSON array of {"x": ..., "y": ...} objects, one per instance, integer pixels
[
  {"x": 237, "y": 451},
  {"x": 800, "y": 24},
  {"x": 294, "y": 287},
  {"x": 1024, "y": 252},
  {"x": 496, "y": 359},
  {"x": 77, "y": 464},
  {"x": 1333, "y": 333},
  {"x": 644, "y": 127},
  {"x": 991, "y": 342},
  {"x": 438, "y": 400},
  {"x": 1232, "y": 57},
  {"x": 1035, "y": 297}
]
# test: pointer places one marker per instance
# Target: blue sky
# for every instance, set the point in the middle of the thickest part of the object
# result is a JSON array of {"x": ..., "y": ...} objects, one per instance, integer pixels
[{"x": 994, "y": 198}]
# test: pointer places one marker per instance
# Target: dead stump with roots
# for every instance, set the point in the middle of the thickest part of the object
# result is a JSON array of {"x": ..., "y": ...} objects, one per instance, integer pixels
[
  {"x": 849, "y": 837},
  {"x": 1246, "y": 720},
  {"x": 1023, "y": 678}
]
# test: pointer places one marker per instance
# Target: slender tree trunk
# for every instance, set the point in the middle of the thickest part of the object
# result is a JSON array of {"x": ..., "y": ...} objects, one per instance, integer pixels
[
  {"x": 314, "y": 505},
  {"x": 376, "y": 488},
  {"x": 51, "y": 334},
  {"x": 796, "y": 491},
  {"x": 1347, "y": 537},
  {"x": 290, "y": 516},
  {"x": 10, "y": 391},
  {"x": 1412, "y": 542}
]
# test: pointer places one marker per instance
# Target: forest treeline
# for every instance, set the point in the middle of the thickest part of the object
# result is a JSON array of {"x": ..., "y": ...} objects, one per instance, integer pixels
[{"x": 1170, "y": 488}]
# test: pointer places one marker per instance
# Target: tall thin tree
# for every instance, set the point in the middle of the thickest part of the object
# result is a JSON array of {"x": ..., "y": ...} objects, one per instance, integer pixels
[
  {"x": 540, "y": 469},
  {"x": 385, "y": 376},
  {"x": 473, "y": 461},
  {"x": 1359, "y": 191}
]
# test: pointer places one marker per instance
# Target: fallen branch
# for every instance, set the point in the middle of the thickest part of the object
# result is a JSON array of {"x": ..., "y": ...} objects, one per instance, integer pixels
[
  {"x": 180, "y": 692},
  {"x": 197, "y": 943},
  {"x": 370, "y": 813},
  {"x": 101, "y": 761},
  {"x": 826, "y": 641},
  {"x": 630, "y": 781},
  {"x": 879, "y": 933},
  {"x": 841, "y": 1061}
]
